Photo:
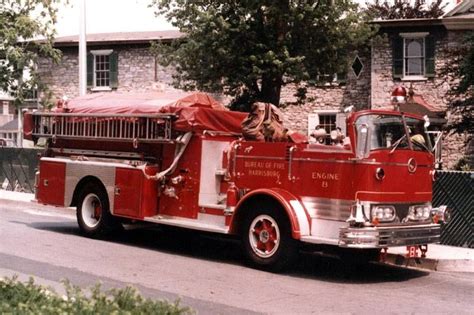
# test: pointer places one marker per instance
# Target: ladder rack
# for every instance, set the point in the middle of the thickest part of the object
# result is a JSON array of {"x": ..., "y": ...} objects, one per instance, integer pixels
[{"x": 105, "y": 127}]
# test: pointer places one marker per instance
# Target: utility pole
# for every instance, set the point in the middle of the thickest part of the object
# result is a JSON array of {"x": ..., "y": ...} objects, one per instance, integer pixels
[{"x": 82, "y": 49}]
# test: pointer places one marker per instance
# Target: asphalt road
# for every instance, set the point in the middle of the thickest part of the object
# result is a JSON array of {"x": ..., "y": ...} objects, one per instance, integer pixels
[{"x": 207, "y": 272}]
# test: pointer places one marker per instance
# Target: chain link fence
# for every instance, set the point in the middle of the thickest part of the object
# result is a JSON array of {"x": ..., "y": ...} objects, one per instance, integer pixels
[
  {"x": 456, "y": 190},
  {"x": 17, "y": 168}
]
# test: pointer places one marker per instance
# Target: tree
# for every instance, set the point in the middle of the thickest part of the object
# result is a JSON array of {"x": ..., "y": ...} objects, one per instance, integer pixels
[
  {"x": 466, "y": 69},
  {"x": 249, "y": 49},
  {"x": 405, "y": 9},
  {"x": 21, "y": 21}
]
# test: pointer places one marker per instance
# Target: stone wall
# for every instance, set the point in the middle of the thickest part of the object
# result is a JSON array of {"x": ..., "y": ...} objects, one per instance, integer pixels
[
  {"x": 136, "y": 71},
  {"x": 355, "y": 91},
  {"x": 61, "y": 78}
]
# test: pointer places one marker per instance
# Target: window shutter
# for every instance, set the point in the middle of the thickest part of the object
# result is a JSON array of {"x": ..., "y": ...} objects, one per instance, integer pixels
[
  {"x": 313, "y": 121},
  {"x": 429, "y": 57},
  {"x": 90, "y": 70},
  {"x": 397, "y": 55},
  {"x": 113, "y": 59}
]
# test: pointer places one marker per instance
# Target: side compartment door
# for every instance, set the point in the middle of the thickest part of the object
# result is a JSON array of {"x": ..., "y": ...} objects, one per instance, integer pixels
[
  {"x": 134, "y": 195},
  {"x": 51, "y": 183}
]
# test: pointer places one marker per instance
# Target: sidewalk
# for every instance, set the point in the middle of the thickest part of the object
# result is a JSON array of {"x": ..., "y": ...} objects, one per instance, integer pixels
[
  {"x": 16, "y": 196},
  {"x": 438, "y": 258}
]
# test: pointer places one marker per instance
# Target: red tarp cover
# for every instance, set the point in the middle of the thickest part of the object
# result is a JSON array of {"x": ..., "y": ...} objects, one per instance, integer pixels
[{"x": 196, "y": 111}]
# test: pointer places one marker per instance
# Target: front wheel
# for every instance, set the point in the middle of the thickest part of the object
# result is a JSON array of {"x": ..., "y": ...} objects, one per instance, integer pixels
[
  {"x": 267, "y": 241},
  {"x": 93, "y": 214}
]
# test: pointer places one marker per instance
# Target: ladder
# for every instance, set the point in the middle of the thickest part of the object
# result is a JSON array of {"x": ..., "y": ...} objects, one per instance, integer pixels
[{"x": 135, "y": 128}]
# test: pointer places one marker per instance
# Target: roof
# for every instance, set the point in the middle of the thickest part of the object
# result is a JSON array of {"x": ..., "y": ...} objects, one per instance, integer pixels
[
  {"x": 119, "y": 38},
  {"x": 408, "y": 22},
  {"x": 418, "y": 99},
  {"x": 462, "y": 7},
  {"x": 461, "y": 17},
  {"x": 418, "y": 105},
  {"x": 10, "y": 126}
]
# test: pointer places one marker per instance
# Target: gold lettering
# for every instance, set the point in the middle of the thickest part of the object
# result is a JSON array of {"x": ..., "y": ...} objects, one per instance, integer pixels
[
  {"x": 264, "y": 173},
  {"x": 325, "y": 176}
]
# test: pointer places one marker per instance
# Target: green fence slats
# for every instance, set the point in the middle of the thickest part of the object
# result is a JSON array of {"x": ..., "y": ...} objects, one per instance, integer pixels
[
  {"x": 17, "y": 168},
  {"x": 456, "y": 190}
]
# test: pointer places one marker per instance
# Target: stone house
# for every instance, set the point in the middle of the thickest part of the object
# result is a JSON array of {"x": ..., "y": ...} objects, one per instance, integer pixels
[
  {"x": 412, "y": 53},
  {"x": 115, "y": 62}
]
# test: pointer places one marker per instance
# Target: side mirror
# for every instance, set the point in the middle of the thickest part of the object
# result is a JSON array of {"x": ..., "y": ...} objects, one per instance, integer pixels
[
  {"x": 427, "y": 121},
  {"x": 363, "y": 133}
]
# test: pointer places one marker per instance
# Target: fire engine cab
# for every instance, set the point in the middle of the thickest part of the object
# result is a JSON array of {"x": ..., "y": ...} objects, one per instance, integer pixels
[{"x": 184, "y": 162}]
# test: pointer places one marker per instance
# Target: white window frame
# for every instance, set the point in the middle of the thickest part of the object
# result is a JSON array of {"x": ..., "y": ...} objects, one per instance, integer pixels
[
  {"x": 408, "y": 36},
  {"x": 95, "y": 53},
  {"x": 314, "y": 120}
]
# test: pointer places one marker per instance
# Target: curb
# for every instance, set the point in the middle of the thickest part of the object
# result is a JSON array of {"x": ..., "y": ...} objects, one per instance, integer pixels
[{"x": 445, "y": 265}]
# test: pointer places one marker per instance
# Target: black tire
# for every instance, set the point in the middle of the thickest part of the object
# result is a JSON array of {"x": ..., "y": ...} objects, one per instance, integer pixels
[
  {"x": 93, "y": 214},
  {"x": 272, "y": 247}
]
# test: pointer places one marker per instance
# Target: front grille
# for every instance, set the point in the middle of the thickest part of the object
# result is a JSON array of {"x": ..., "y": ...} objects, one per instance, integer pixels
[{"x": 409, "y": 236}]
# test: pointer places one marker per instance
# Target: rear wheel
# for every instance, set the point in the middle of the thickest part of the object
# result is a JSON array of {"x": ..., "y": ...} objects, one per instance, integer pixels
[
  {"x": 93, "y": 215},
  {"x": 267, "y": 241}
]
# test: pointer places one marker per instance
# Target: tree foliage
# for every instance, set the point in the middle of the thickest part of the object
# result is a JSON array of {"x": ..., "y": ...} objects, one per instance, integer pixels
[
  {"x": 458, "y": 71},
  {"x": 466, "y": 67},
  {"x": 21, "y": 21},
  {"x": 30, "y": 298},
  {"x": 249, "y": 49},
  {"x": 405, "y": 9}
]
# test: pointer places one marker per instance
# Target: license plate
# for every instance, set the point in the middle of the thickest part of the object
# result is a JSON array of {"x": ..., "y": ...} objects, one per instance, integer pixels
[{"x": 412, "y": 252}]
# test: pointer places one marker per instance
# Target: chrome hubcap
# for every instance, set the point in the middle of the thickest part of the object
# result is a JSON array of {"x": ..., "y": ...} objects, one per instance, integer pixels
[
  {"x": 264, "y": 236},
  {"x": 91, "y": 210}
]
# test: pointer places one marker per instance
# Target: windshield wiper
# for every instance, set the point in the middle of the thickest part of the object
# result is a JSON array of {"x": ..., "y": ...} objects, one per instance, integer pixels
[{"x": 395, "y": 145}]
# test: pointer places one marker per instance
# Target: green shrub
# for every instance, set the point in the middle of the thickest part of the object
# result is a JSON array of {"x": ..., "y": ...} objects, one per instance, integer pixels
[{"x": 29, "y": 298}]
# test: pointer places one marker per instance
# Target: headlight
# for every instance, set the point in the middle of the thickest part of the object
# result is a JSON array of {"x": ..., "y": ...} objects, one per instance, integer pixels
[
  {"x": 383, "y": 213},
  {"x": 419, "y": 213},
  {"x": 441, "y": 214}
]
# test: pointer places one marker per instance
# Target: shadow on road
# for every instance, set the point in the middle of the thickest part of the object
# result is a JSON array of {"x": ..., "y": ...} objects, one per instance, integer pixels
[{"x": 212, "y": 247}]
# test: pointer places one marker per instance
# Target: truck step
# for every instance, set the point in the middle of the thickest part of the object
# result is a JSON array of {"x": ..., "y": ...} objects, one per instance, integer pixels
[{"x": 188, "y": 223}]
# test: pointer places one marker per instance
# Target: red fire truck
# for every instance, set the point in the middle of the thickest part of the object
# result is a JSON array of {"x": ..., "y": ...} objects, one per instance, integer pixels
[{"x": 184, "y": 163}]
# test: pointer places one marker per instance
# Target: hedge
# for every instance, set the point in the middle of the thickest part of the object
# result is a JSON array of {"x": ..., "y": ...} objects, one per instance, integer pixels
[{"x": 18, "y": 297}]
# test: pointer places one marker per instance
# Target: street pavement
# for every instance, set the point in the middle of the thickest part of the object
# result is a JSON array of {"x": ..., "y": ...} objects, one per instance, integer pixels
[
  {"x": 438, "y": 258},
  {"x": 206, "y": 272}
]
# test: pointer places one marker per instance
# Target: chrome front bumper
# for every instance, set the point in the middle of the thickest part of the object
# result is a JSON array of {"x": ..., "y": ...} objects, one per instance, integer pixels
[{"x": 389, "y": 236}]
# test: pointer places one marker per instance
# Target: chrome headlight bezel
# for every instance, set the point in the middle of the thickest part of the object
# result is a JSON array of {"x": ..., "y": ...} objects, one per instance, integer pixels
[
  {"x": 419, "y": 213},
  {"x": 383, "y": 213}
]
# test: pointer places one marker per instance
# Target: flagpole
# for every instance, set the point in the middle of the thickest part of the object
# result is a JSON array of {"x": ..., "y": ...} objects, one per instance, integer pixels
[{"x": 82, "y": 49}]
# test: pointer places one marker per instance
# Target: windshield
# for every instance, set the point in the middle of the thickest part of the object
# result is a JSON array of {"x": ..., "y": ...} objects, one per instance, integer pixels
[{"x": 388, "y": 132}]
